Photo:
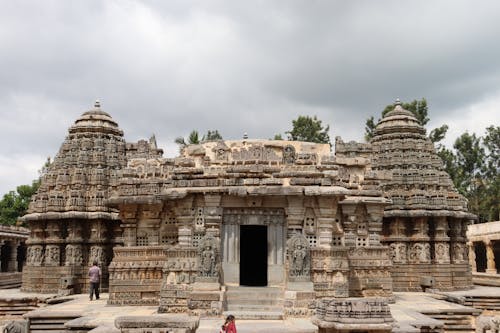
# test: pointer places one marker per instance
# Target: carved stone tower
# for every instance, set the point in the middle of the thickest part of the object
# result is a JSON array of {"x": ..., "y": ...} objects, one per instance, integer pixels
[
  {"x": 425, "y": 224},
  {"x": 70, "y": 224}
]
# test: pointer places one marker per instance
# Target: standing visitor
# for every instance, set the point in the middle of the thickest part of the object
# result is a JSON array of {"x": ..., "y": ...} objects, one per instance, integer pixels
[
  {"x": 229, "y": 326},
  {"x": 95, "y": 278}
]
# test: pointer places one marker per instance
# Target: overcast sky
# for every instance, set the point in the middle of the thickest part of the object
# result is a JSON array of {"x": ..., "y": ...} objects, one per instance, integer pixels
[{"x": 167, "y": 67}]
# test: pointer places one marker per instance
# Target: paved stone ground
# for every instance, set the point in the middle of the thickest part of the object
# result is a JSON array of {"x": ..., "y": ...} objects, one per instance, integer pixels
[{"x": 406, "y": 311}]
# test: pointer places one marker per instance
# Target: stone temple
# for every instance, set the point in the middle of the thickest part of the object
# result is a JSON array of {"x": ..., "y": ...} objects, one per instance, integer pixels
[{"x": 189, "y": 233}]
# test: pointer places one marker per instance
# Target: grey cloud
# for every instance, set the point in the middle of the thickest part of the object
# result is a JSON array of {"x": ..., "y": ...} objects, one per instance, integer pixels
[{"x": 247, "y": 66}]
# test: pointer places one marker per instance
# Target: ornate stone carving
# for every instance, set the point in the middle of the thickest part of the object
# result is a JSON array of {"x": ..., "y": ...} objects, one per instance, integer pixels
[
  {"x": 97, "y": 253},
  {"x": 288, "y": 154},
  {"x": 459, "y": 253},
  {"x": 35, "y": 255},
  {"x": 16, "y": 327},
  {"x": 420, "y": 253},
  {"x": 299, "y": 258},
  {"x": 74, "y": 255},
  {"x": 52, "y": 255},
  {"x": 209, "y": 261},
  {"x": 398, "y": 253},
  {"x": 442, "y": 253}
]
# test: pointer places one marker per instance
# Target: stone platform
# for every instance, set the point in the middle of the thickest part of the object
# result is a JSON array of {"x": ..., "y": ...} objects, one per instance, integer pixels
[{"x": 412, "y": 312}]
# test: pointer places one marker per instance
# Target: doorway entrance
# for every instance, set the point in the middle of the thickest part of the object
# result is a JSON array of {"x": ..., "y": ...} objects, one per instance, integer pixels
[{"x": 253, "y": 255}]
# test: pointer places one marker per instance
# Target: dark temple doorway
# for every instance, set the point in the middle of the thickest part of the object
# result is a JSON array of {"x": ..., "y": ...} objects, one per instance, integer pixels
[{"x": 253, "y": 255}]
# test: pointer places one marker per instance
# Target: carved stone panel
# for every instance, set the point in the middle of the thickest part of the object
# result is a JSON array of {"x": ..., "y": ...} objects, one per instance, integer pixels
[
  {"x": 299, "y": 258},
  {"x": 209, "y": 260},
  {"x": 74, "y": 255}
]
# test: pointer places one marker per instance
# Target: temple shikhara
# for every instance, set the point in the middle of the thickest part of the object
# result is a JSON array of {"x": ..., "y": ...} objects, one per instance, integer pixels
[{"x": 292, "y": 222}]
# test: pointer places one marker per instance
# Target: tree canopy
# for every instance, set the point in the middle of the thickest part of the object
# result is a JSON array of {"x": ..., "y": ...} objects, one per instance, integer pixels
[
  {"x": 15, "y": 203},
  {"x": 308, "y": 129},
  {"x": 473, "y": 164},
  {"x": 194, "y": 138}
]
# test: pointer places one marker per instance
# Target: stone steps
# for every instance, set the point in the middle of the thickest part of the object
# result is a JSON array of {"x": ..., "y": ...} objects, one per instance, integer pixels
[
  {"x": 255, "y": 303},
  {"x": 49, "y": 322},
  {"x": 483, "y": 302},
  {"x": 456, "y": 322},
  {"x": 10, "y": 280},
  {"x": 14, "y": 307}
]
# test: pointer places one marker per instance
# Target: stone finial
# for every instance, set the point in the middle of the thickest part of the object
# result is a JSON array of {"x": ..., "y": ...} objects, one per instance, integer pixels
[
  {"x": 245, "y": 135},
  {"x": 97, "y": 104},
  {"x": 397, "y": 102}
]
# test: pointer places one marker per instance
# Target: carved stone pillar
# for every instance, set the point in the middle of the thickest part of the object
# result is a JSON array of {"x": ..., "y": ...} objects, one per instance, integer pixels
[
  {"x": 375, "y": 214},
  {"x": 213, "y": 211},
  {"x": 472, "y": 257},
  {"x": 419, "y": 250},
  {"x": 326, "y": 221},
  {"x": 1, "y": 244},
  {"x": 350, "y": 221},
  {"x": 12, "y": 264},
  {"x": 295, "y": 214},
  {"x": 490, "y": 258},
  {"x": 441, "y": 241},
  {"x": 128, "y": 214}
]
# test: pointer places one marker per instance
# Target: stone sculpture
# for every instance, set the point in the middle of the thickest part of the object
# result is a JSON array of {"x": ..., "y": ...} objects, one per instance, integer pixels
[
  {"x": 208, "y": 258},
  {"x": 488, "y": 324},
  {"x": 299, "y": 257}
]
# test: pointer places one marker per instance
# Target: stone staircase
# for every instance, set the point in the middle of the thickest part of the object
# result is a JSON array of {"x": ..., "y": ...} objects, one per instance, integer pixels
[
  {"x": 10, "y": 280},
  {"x": 16, "y": 307},
  {"x": 49, "y": 322},
  {"x": 483, "y": 302},
  {"x": 257, "y": 303},
  {"x": 456, "y": 321}
]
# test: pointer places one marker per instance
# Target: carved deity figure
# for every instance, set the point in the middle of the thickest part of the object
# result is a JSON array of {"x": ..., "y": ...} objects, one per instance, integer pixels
[
  {"x": 420, "y": 253},
  {"x": 298, "y": 256},
  {"x": 36, "y": 255},
  {"x": 208, "y": 255},
  {"x": 398, "y": 252},
  {"x": 97, "y": 253},
  {"x": 207, "y": 260},
  {"x": 74, "y": 255},
  {"x": 458, "y": 253},
  {"x": 442, "y": 253},
  {"x": 52, "y": 256},
  {"x": 289, "y": 155}
]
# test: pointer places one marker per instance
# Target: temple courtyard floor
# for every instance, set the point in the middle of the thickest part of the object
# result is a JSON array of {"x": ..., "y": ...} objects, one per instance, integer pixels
[{"x": 411, "y": 311}]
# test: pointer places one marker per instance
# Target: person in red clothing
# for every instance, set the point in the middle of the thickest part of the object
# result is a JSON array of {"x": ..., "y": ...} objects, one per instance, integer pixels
[{"x": 229, "y": 326}]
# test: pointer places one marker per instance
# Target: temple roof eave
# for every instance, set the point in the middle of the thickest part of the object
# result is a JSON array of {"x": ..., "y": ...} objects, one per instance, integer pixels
[
  {"x": 180, "y": 193},
  {"x": 426, "y": 212},
  {"x": 69, "y": 215}
]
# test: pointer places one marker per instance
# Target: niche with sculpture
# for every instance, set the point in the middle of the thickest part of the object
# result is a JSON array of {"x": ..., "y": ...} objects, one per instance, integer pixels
[{"x": 299, "y": 259}]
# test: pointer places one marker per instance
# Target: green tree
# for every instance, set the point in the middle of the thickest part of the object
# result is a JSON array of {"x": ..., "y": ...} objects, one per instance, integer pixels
[
  {"x": 212, "y": 136},
  {"x": 193, "y": 138},
  {"x": 309, "y": 129},
  {"x": 15, "y": 203},
  {"x": 491, "y": 178},
  {"x": 277, "y": 137}
]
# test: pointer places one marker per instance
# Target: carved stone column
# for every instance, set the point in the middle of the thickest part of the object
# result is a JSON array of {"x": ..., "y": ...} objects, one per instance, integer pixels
[
  {"x": 12, "y": 264},
  {"x": 490, "y": 258},
  {"x": 350, "y": 221},
  {"x": 419, "y": 250},
  {"x": 1, "y": 244},
  {"x": 441, "y": 241},
  {"x": 375, "y": 214},
  {"x": 472, "y": 257},
  {"x": 326, "y": 221},
  {"x": 128, "y": 215},
  {"x": 295, "y": 214}
]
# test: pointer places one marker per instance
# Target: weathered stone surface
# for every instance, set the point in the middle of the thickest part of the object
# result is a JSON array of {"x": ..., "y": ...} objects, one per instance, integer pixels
[{"x": 286, "y": 215}]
